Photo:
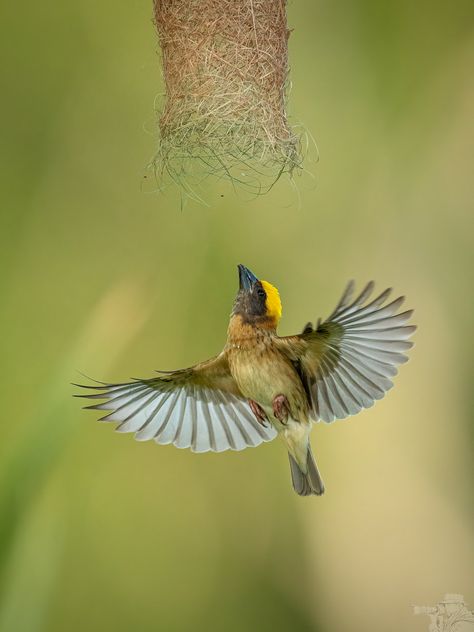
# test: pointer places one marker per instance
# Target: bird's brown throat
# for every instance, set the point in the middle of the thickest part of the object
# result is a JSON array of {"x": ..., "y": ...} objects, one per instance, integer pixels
[{"x": 247, "y": 333}]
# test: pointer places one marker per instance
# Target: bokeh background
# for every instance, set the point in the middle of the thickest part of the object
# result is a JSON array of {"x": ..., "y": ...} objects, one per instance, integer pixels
[{"x": 102, "y": 275}]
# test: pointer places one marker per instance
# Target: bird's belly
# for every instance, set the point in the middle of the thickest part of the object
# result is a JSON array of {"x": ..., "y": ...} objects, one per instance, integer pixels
[
  {"x": 258, "y": 383},
  {"x": 266, "y": 378}
]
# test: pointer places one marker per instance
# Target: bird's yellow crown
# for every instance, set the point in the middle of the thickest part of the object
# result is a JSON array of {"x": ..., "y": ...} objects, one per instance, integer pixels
[{"x": 273, "y": 302}]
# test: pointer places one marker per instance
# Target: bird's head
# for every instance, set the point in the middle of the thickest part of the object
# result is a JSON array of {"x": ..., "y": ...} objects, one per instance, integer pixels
[{"x": 257, "y": 301}]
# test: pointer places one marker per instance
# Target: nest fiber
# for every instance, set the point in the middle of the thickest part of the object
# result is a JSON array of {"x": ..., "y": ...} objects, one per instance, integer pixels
[{"x": 225, "y": 66}]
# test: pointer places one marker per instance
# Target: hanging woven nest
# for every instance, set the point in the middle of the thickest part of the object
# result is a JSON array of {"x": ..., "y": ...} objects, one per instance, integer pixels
[{"x": 225, "y": 67}]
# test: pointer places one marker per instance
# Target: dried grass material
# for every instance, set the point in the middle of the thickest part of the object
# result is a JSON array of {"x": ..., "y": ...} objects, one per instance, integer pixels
[{"x": 225, "y": 65}]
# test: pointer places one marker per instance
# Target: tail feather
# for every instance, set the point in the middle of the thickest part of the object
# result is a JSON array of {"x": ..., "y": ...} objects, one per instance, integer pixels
[{"x": 306, "y": 483}]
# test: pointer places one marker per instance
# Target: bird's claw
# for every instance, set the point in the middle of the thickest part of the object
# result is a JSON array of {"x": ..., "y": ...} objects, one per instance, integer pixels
[
  {"x": 281, "y": 408},
  {"x": 259, "y": 413}
]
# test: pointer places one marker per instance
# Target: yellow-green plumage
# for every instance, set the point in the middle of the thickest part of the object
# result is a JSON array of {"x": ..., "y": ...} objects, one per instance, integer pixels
[{"x": 262, "y": 385}]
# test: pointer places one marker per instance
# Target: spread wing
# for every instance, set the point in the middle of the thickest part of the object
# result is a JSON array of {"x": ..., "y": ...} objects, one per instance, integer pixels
[
  {"x": 347, "y": 362},
  {"x": 199, "y": 408}
]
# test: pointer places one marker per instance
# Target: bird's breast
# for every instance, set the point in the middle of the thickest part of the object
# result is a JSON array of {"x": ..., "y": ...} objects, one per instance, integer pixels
[{"x": 262, "y": 373}]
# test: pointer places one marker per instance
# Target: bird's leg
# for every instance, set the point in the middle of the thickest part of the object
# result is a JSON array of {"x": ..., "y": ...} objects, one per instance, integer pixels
[
  {"x": 259, "y": 413},
  {"x": 281, "y": 408}
]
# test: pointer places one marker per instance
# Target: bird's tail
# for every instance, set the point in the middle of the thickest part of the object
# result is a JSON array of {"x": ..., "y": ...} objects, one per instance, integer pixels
[{"x": 309, "y": 482}]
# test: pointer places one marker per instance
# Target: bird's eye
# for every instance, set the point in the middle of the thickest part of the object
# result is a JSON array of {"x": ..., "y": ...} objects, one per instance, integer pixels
[{"x": 261, "y": 293}]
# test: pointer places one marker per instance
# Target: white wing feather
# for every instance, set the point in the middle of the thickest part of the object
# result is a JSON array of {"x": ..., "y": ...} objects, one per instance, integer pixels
[
  {"x": 362, "y": 346},
  {"x": 187, "y": 416}
]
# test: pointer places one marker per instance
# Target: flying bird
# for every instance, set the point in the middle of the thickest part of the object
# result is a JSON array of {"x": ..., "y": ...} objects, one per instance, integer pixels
[{"x": 262, "y": 385}]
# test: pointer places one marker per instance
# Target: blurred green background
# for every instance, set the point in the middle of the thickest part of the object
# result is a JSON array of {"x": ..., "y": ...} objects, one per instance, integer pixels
[{"x": 101, "y": 275}]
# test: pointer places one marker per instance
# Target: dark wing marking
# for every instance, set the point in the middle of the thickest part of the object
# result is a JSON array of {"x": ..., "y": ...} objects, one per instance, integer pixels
[{"x": 347, "y": 362}]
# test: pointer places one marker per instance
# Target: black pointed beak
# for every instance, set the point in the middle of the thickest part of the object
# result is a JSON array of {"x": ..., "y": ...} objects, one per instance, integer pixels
[{"x": 246, "y": 278}]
